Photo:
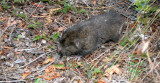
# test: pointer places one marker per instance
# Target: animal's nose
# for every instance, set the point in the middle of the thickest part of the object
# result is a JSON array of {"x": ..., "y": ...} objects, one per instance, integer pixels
[{"x": 58, "y": 50}]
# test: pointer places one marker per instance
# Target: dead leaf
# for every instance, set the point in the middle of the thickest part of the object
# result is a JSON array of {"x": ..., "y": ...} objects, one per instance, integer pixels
[
  {"x": 47, "y": 61},
  {"x": 55, "y": 27},
  {"x": 5, "y": 51},
  {"x": 37, "y": 5},
  {"x": 101, "y": 81},
  {"x": 136, "y": 61},
  {"x": 20, "y": 24},
  {"x": 6, "y": 47},
  {"x": 69, "y": 18},
  {"x": 131, "y": 25},
  {"x": 113, "y": 69},
  {"x": 105, "y": 59},
  {"x": 80, "y": 64},
  {"x": 53, "y": 10},
  {"x": 143, "y": 47},
  {"x": 26, "y": 73},
  {"x": 151, "y": 64},
  {"x": 61, "y": 29},
  {"x": 49, "y": 17},
  {"x": 13, "y": 23},
  {"x": 25, "y": 27},
  {"x": 3, "y": 19},
  {"x": 0, "y": 52},
  {"x": 1, "y": 9},
  {"x": 39, "y": 77},
  {"x": 139, "y": 51},
  {"x": 52, "y": 75},
  {"x": 59, "y": 66},
  {"x": 18, "y": 53},
  {"x": 94, "y": 2},
  {"x": 50, "y": 69},
  {"x": 77, "y": 81}
]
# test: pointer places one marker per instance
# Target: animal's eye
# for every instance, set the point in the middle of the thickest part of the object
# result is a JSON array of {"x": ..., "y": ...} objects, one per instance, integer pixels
[
  {"x": 62, "y": 40},
  {"x": 69, "y": 47}
]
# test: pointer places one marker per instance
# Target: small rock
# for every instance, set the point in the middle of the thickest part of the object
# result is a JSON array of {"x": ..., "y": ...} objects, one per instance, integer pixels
[
  {"x": 23, "y": 35},
  {"x": 43, "y": 41}
]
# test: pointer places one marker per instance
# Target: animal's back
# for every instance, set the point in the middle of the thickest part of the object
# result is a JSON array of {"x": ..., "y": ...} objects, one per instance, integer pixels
[{"x": 107, "y": 26}]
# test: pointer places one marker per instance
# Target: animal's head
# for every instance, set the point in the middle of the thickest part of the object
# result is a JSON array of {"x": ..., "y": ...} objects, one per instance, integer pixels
[{"x": 69, "y": 43}]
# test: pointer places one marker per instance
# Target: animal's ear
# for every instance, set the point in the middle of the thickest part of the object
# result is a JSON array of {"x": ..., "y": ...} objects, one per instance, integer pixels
[{"x": 77, "y": 43}]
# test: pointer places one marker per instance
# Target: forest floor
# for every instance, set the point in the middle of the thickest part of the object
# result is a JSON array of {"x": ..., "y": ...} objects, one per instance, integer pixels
[{"x": 29, "y": 33}]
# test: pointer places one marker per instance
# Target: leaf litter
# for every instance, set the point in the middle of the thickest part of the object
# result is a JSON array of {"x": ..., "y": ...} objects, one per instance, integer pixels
[{"x": 23, "y": 58}]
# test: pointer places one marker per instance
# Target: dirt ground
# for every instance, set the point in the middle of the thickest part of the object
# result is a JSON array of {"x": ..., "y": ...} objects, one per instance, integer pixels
[{"x": 29, "y": 35}]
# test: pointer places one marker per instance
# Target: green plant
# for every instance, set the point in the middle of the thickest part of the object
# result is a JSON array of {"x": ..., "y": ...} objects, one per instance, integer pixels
[
  {"x": 135, "y": 69},
  {"x": 49, "y": 1},
  {"x": 20, "y": 1},
  {"x": 4, "y": 4},
  {"x": 19, "y": 36},
  {"x": 40, "y": 37},
  {"x": 141, "y": 5},
  {"x": 144, "y": 5},
  {"x": 59, "y": 65},
  {"x": 146, "y": 8},
  {"x": 76, "y": 65},
  {"x": 69, "y": 64},
  {"x": 35, "y": 24},
  {"x": 55, "y": 36},
  {"x": 37, "y": 38},
  {"x": 67, "y": 6},
  {"x": 23, "y": 16},
  {"x": 97, "y": 70},
  {"x": 126, "y": 42},
  {"x": 52, "y": 47},
  {"x": 38, "y": 80},
  {"x": 82, "y": 11},
  {"x": 91, "y": 70},
  {"x": 17, "y": 12}
]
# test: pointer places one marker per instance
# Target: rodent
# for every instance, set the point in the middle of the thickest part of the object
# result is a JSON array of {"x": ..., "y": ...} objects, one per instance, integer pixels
[{"x": 85, "y": 37}]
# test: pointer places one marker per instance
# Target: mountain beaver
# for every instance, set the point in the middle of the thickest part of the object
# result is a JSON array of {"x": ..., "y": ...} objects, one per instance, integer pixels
[{"x": 85, "y": 37}]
